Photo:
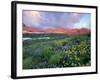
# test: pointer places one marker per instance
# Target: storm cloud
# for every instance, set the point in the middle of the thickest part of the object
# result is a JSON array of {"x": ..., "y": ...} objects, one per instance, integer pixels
[{"x": 45, "y": 19}]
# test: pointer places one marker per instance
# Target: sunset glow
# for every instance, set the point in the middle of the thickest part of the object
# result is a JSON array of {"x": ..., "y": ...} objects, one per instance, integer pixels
[{"x": 44, "y": 21}]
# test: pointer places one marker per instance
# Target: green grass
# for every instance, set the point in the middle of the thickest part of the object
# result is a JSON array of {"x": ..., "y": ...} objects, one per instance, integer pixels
[{"x": 59, "y": 51}]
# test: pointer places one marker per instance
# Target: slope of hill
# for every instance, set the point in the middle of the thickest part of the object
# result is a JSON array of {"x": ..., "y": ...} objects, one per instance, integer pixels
[{"x": 28, "y": 29}]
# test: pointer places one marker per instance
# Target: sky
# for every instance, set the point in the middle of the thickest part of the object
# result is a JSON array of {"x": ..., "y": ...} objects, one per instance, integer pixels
[{"x": 45, "y": 19}]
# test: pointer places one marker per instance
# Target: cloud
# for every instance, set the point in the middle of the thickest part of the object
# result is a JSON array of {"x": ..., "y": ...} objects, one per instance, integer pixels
[
  {"x": 46, "y": 19},
  {"x": 73, "y": 18},
  {"x": 30, "y": 18},
  {"x": 59, "y": 19}
]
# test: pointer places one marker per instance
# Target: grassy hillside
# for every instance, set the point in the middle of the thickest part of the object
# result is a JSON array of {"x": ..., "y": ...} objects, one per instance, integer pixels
[{"x": 60, "y": 50}]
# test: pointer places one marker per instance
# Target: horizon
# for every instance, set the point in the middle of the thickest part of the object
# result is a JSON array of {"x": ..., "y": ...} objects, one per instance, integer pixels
[{"x": 56, "y": 22}]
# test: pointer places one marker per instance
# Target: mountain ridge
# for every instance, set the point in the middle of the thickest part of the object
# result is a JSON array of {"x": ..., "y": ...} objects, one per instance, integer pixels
[{"x": 28, "y": 29}]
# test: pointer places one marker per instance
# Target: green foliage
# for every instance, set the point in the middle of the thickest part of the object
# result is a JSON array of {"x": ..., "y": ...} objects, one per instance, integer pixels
[
  {"x": 47, "y": 53},
  {"x": 57, "y": 43},
  {"x": 55, "y": 59},
  {"x": 59, "y": 51},
  {"x": 27, "y": 63},
  {"x": 78, "y": 55}
]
